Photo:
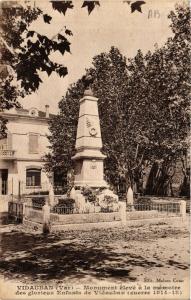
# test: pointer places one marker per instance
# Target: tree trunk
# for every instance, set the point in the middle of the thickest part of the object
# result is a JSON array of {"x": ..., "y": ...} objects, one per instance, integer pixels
[{"x": 160, "y": 180}]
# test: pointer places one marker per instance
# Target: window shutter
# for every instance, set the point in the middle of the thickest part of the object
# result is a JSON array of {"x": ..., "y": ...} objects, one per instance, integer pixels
[
  {"x": 33, "y": 143},
  {"x": 9, "y": 140}
]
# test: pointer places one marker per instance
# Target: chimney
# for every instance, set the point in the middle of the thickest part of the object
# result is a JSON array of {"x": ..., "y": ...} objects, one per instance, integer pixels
[{"x": 47, "y": 110}]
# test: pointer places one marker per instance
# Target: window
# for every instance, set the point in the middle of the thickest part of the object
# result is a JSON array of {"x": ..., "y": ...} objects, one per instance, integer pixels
[
  {"x": 33, "y": 177},
  {"x": 33, "y": 143},
  {"x": 33, "y": 112}
]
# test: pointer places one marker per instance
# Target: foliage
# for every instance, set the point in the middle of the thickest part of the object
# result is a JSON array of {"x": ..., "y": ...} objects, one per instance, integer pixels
[
  {"x": 62, "y": 6},
  {"x": 39, "y": 193},
  {"x": 65, "y": 205},
  {"x": 89, "y": 194},
  {"x": 63, "y": 132},
  {"x": 90, "y": 5},
  {"x": 65, "y": 202},
  {"x": 3, "y": 123},
  {"x": 25, "y": 53},
  {"x": 185, "y": 186},
  {"x": 173, "y": 127},
  {"x": 131, "y": 95},
  {"x": 38, "y": 201},
  {"x": 108, "y": 203},
  {"x": 143, "y": 201}
]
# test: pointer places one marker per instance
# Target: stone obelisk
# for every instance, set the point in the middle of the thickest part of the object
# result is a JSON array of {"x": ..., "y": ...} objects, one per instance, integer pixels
[{"x": 88, "y": 160}]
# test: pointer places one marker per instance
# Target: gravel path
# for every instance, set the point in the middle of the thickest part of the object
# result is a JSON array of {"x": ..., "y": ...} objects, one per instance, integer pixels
[{"x": 116, "y": 255}]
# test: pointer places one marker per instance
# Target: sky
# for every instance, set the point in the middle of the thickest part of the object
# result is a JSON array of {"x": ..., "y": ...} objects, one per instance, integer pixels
[{"x": 111, "y": 24}]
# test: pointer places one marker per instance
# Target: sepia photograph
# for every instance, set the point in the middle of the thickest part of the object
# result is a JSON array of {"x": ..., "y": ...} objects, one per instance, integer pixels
[{"x": 94, "y": 149}]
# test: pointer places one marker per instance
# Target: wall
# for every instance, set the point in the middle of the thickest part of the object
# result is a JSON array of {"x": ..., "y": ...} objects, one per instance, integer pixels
[
  {"x": 58, "y": 222},
  {"x": 140, "y": 215},
  {"x": 84, "y": 218},
  {"x": 19, "y": 128}
]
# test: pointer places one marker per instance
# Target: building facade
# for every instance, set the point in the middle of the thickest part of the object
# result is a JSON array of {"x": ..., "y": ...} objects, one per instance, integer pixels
[{"x": 22, "y": 151}]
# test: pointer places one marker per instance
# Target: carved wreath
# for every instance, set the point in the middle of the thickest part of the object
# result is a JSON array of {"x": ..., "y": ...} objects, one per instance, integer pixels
[{"x": 91, "y": 126}]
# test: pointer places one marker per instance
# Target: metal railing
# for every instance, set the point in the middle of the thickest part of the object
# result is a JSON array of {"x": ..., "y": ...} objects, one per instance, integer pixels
[
  {"x": 160, "y": 207},
  {"x": 66, "y": 209},
  {"x": 15, "y": 210},
  {"x": 36, "y": 206},
  {"x": 61, "y": 210},
  {"x": 6, "y": 153}
]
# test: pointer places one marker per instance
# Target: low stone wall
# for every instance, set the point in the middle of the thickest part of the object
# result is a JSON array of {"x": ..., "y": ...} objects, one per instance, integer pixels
[
  {"x": 158, "y": 199},
  {"x": 32, "y": 225},
  {"x": 176, "y": 221},
  {"x": 84, "y": 218},
  {"x": 39, "y": 219},
  {"x": 85, "y": 226},
  {"x": 4, "y": 218},
  {"x": 3, "y": 204},
  {"x": 34, "y": 215},
  {"x": 137, "y": 215}
]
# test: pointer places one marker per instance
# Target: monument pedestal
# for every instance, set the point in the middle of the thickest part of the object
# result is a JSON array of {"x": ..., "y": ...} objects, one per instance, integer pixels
[
  {"x": 88, "y": 161},
  {"x": 89, "y": 170}
]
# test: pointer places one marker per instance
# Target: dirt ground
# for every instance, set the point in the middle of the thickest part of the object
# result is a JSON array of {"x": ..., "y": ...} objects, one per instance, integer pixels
[{"x": 117, "y": 254}]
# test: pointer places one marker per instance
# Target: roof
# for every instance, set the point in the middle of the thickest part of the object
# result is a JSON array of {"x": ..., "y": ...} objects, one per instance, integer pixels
[
  {"x": 32, "y": 113},
  {"x": 42, "y": 114}
]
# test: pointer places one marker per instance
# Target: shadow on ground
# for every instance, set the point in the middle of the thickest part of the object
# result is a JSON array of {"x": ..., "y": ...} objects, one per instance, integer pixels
[
  {"x": 36, "y": 257},
  {"x": 29, "y": 257}
]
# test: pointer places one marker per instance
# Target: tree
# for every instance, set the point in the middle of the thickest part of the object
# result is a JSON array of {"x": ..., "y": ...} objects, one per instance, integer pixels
[
  {"x": 133, "y": 135},
  {"x": 63, "y": 133},
  {"x": 175, "y": 94},
  {"x": 179, "y": 47},
  {"x": 122, "y": 132},
  {"x": 131, "y": 95},
  {"x": 26, "y": 53}
]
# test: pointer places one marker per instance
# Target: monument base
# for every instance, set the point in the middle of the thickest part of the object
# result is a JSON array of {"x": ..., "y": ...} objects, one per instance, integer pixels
[
  {"x": 89, "y": 172},
  {"x": 92, "y": 184}
]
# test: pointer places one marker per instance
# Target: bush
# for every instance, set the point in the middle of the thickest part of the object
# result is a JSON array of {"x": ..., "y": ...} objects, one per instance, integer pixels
[
  {"x": 89, "y": 194},
  {"x": 38, "y": 201},
  {"x": 65, "y": 202},
  {"x": 39, "y": 193},
  {"x": 145, "y": 203},
  {"x": 108, "y": 203},
  {"x": 64, "y": 206}
]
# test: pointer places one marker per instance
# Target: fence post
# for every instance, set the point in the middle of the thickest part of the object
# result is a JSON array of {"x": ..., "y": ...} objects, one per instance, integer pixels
[
  {"x": 24, "y": 209},
  {"x": 122, "y": 210},
  {"x": 46, "y": 218},
  {"x": 183, "y": 209}
]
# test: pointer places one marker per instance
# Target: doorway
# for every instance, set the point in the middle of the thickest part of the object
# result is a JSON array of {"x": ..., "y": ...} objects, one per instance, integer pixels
[{"x": 4, "y": 181}]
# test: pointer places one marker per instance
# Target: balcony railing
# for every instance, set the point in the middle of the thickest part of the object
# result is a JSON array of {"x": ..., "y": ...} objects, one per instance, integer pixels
[{"x": 6, "y": 154}]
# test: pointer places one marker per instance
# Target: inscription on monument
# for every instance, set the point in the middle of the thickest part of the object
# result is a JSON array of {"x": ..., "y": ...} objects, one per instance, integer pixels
[{"x": 93, "y": 164}]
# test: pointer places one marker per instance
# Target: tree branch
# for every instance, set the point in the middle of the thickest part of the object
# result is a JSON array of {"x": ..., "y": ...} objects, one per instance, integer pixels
[{"x": 7, "y": 46}]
